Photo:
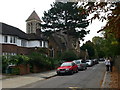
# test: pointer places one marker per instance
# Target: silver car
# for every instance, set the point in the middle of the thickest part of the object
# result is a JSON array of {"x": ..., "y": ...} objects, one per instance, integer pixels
[
  {"x": 89, "y": 62},
  {"x": 82, "y": 65}
]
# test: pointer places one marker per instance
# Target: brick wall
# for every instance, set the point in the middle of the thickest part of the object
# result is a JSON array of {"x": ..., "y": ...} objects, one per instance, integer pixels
[
  {"x": 10, "y": 48},
  {"x": 24, "y": 69}
]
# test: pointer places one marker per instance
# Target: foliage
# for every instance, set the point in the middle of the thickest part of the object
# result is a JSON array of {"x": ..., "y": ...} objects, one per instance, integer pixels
[
  {"x": 42, "y": 50},
  {"x": 89, "y": 46},
  {"x": 4, "y": 64},
  {"x": 68, "y": 17},
  {"x": 15, "y": 71},
  {"x": 110, "y": 44},
  {"x": 16, "y": 60},
  {"x": 98, "y": 45},
  {"x": 41, "y": 60},
  {"x": 106, "y": 47},
  {"x": 69, "y": 56},
  {"x": 111, "y": 14}
]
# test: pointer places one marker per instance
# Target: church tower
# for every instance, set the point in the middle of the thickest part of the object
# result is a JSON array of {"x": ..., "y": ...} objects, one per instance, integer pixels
[{"x": 33, "y": 23}]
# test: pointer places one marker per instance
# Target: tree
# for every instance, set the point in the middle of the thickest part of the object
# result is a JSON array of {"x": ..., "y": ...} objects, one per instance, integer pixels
[
  {"x": 69, "y": 56},
  {"x": 111, "y": 12},
  {"x": 106, "y": 47},
  {"x": 68, "y": 17},
  {"x": 89, "y": 46},
  {"x": 98, "y": 45}
]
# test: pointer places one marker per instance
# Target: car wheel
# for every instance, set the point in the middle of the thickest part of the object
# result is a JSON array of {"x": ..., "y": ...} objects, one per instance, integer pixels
[{"x": 77, "y": 70}]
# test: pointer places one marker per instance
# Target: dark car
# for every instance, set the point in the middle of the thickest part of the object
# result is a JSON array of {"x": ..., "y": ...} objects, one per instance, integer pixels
[{"x": 67, "y": 68}]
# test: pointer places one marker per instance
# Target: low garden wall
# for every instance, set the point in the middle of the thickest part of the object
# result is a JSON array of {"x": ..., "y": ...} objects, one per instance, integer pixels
[{"x": 19, "y": 70}]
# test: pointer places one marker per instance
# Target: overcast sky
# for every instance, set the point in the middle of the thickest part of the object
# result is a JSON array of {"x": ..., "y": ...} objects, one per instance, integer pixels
[{"x": 15, "y": 12}]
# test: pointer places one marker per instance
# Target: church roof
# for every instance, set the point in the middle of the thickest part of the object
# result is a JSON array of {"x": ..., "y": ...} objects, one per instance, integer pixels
[{"x": 33, "y": 16}]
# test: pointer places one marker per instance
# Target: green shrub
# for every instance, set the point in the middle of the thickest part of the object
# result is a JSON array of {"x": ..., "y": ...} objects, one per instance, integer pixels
[
  {"x": 15, "y": 71},
  {"x": 16, "y": 59},
  {"x": 69, "y": 56},
  {"x": 4, "y": 64},
  {"x": 41, "y": 60}
]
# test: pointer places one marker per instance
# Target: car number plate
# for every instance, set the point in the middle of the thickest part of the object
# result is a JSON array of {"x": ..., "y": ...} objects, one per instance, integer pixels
[{"x": 62, "y": 71}]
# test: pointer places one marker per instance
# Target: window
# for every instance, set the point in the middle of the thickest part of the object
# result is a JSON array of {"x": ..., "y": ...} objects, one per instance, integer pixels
[
  {"x": 3, "y": 53},
  {"x": 31, "y": 30},
  {"x": 5, "y": 38},
  {"x": 73, "y": 64},
  {"x": 41, "y": 43},
  {"x": 44, "y": 44},
  {"x": 23, "y": 43},
  {"x": 36, "y": 26},
  {"x": 28, "y": 28},
  {"x": 14, "y": 40},
  {"x": 10, "y": 39}
]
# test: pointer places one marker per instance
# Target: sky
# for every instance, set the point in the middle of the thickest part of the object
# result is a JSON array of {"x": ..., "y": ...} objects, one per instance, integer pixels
[{"x": 16, "y": 12}]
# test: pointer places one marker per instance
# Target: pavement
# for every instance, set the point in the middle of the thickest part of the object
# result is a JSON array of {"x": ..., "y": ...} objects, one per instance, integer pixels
[
  {"x": 106, "y": 80},
  {"x": 21, "y": 80}
]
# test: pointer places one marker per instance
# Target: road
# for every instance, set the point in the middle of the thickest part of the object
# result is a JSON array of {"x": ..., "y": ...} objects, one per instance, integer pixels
[{"x": 90, "y": 78}]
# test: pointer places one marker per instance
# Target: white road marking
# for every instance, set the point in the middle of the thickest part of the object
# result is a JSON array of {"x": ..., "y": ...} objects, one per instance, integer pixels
[
  {"x": 104, "y": 80},
  {"x": 73, "y": 88}
]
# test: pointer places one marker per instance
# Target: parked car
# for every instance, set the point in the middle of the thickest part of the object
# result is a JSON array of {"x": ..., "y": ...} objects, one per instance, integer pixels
[
  {"x": 101, "y": 59},
  {"x": 95, "y": 61},
  {"x": 67, "y": 68},
  {"x": 82, "y": 65},
  {"x": 89, "y": 62}
]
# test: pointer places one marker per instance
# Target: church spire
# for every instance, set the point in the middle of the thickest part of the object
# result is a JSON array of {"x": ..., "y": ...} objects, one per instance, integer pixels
[
  {"x": 33, "y": 16},
  {"x": 33, "y": 23}
]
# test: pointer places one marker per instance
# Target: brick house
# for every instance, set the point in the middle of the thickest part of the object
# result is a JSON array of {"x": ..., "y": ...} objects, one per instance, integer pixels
[{"x": 14, "y": 41}]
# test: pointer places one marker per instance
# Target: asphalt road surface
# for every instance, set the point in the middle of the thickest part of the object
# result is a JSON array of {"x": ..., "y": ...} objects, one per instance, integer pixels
[{"x": 90, "y": 78}]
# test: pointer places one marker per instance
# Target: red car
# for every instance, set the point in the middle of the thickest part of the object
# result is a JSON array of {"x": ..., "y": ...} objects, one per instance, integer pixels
[{"x": 68, "y": 68}]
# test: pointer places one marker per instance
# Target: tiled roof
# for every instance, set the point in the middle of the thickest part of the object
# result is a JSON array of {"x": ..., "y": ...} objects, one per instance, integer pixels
[
  {"x": 34, "y": 36},
  {"x": 10, "y": 30},
  {"x": 33, "y": 16}
]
